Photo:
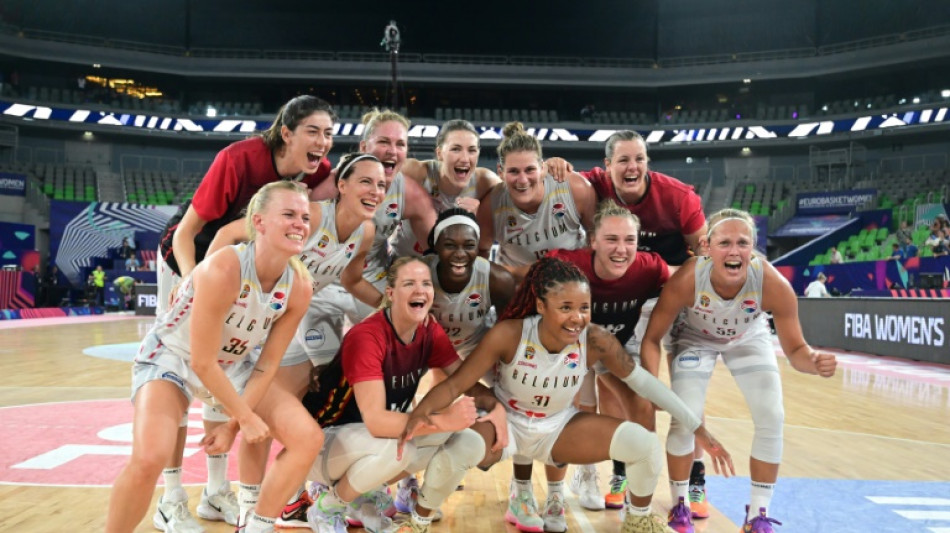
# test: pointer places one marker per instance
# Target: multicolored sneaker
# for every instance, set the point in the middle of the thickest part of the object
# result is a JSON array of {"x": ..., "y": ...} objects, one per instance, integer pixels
[
  {"x": 172, "y": 514},
  {"x": 679, "y": 518},
  {"x": 698, "y": 505},
  {"x": 586, "y": 486},
  {"x": 758, "y": 524},
  {"x": 295, "y": 514},
  {"x": 324, "y": 517},
  {"x": 652, "y": 523},
  {"x": 221, "y": 506},
  {"x": 523, "y": 512},
  {"x": 407, "y": 491},
  {"x": 553, "y": 516},
  {"x": 618, "y": 489},
  {"x": 372, "y": 511}
]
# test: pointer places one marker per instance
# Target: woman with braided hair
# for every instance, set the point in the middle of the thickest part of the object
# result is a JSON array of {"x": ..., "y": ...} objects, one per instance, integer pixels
[{"x": 541, "y": 349}]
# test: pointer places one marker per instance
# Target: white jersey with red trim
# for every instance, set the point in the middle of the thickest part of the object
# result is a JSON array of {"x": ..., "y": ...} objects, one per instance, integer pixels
[
  {"x": 714, "y": 320},
  {"x": 523, "y": 238},
  {"x": 537, "y": 383},
  {"x": 245, "y": 327},
  {"x": 465, "y": 316},
  {"x": 323, "y": 254}
]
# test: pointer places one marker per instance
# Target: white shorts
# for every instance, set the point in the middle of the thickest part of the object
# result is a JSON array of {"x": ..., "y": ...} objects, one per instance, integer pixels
[
  {"x": 320, "y": 331},
  {"x": 534, "y": 438},
  {"x": 694, "y": 359},
  {"x": 167, "y": 279},
  {"x": 169, "y": 367}
]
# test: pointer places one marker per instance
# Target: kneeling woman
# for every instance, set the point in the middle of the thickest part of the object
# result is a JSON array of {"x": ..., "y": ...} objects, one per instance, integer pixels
[
  {"x": 241, "y": 297},
  {"x": 380, "y": 363},
  {"x": 543, "y": 348}
]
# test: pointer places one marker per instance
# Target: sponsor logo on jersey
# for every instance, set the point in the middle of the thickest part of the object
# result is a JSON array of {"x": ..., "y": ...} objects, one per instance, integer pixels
[
  {"x": 572, "y": 359},
  {"x": 527, "y": 364},
  {"x": 278, "y": 300},
  {"x": 688, "y": 361},
  {"x": 324, "y": 241},
  {"x": 314, "y": 338},
  {"x": 474, "y": 299},
  {"x": 749, "y": 306},
  {"x": 392, "y": 210},
  {"x": 173, "y": 377},
  {"x": 349, "y": 249},
  {"x": 558, "y": 209}
]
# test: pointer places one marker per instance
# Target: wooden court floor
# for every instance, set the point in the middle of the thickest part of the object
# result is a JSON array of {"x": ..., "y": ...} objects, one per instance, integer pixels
[{"x": 869, "y": 422}]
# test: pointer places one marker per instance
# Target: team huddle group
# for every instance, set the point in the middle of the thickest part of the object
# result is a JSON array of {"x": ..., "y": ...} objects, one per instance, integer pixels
[{"x": 549, "y": 352}]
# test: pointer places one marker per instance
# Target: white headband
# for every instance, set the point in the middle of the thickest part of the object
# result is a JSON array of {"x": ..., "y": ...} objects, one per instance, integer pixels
[
  {"x": 453, "y": 220},
  {"x": 726, "y": 219},
  {"x": 362, "y": 157}
]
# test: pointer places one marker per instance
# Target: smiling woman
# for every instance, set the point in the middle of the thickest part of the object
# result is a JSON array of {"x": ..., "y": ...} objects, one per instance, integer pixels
[
  {"x": 719, "y": 305},
  {"x": 254, "y": 295},
  {"x": 541, "y": 350}
]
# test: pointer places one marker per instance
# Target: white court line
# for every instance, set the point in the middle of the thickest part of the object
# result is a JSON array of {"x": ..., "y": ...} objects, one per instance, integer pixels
[
  {"x": 896, "y": 500},
  {"x": 924, "y": 515},
  {"x": 939, "y": 529}
]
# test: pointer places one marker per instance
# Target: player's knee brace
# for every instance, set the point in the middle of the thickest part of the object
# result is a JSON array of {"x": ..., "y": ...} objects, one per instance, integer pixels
[
  {"x": 449, "y": 465},
  {"x": 640, "y": 450},
  {"x": 767, "y": 443}
]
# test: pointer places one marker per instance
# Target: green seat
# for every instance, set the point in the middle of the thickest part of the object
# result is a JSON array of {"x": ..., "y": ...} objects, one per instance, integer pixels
[
  {"x": 47, "y": 189},
  {"x": 926, "y": 251},
  {"x": 131, "y": 197},
  {"x": 881, "y": 234}
]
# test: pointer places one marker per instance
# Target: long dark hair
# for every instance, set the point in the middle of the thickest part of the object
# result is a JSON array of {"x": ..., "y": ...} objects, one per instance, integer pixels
[
  {"x": 290, "y": 115},
  {"x": 543, "y": 277}
]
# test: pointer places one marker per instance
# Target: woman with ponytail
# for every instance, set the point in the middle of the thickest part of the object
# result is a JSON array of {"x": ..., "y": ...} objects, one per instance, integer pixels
[
  {"x": 242, "y": 297},
  {"x": 541, "y": 349}
]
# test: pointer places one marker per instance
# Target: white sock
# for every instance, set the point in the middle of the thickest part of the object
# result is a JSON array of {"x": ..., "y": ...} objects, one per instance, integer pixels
[
  {"x": 637, "y": 511},
  {"x": 172, "y": 479},
  {"x": 422, "y": 520},
  {"x": 556, "y": 487},
  {"x": 760, "y": 497},
  {"x": 217, "y": 472},
  {"x": 522, "y": 485},
  {"x": 247, "y": 500},
  {"x": 679, "y": 489},
  {"x": 259, "y": 524}
]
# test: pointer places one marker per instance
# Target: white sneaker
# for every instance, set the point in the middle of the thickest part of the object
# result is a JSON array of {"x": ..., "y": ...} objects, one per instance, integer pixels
[
  {"x": 585, "y": 485},
  {"x": 553, "y": 516},
  {"x": 172, "y": 514},
  {"x": 222, "y": 506}
]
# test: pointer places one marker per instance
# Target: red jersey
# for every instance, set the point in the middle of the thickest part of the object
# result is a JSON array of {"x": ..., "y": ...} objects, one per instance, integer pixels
[
  {"x": 371, "y": 351},
  {"x": 616, "y": 304},
  {"x": 237, "y": 173},
  {"x": 668, "y": 210}
]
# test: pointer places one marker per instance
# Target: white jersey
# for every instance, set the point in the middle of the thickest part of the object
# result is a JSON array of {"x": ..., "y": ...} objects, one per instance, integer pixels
[
  {"x": 168, "y": 343},
  {"x": 323, "y": 254},
  {"x": 537, "y": 383},
  {"x": 524, "y": 238},
  {"x": 387, "y": 218},
  {"x": 465, "y": 316},
  {"x": 714, "y": 320},
  {"x": 404, "y": 241}
]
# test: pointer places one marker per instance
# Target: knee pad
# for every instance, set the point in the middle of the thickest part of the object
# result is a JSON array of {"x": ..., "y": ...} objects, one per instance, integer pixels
[
  {"x": 639, "y": 449},
  {"x": 679, "y": 441},
  {"x": 213, "y": 414},
  {"x": 767, "y": 442},
  {"x": 448, "y": 467}
]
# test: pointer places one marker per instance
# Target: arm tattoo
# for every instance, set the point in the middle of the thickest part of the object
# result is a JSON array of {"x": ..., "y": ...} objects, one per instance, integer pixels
[{"x": 610, "y": 349}]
